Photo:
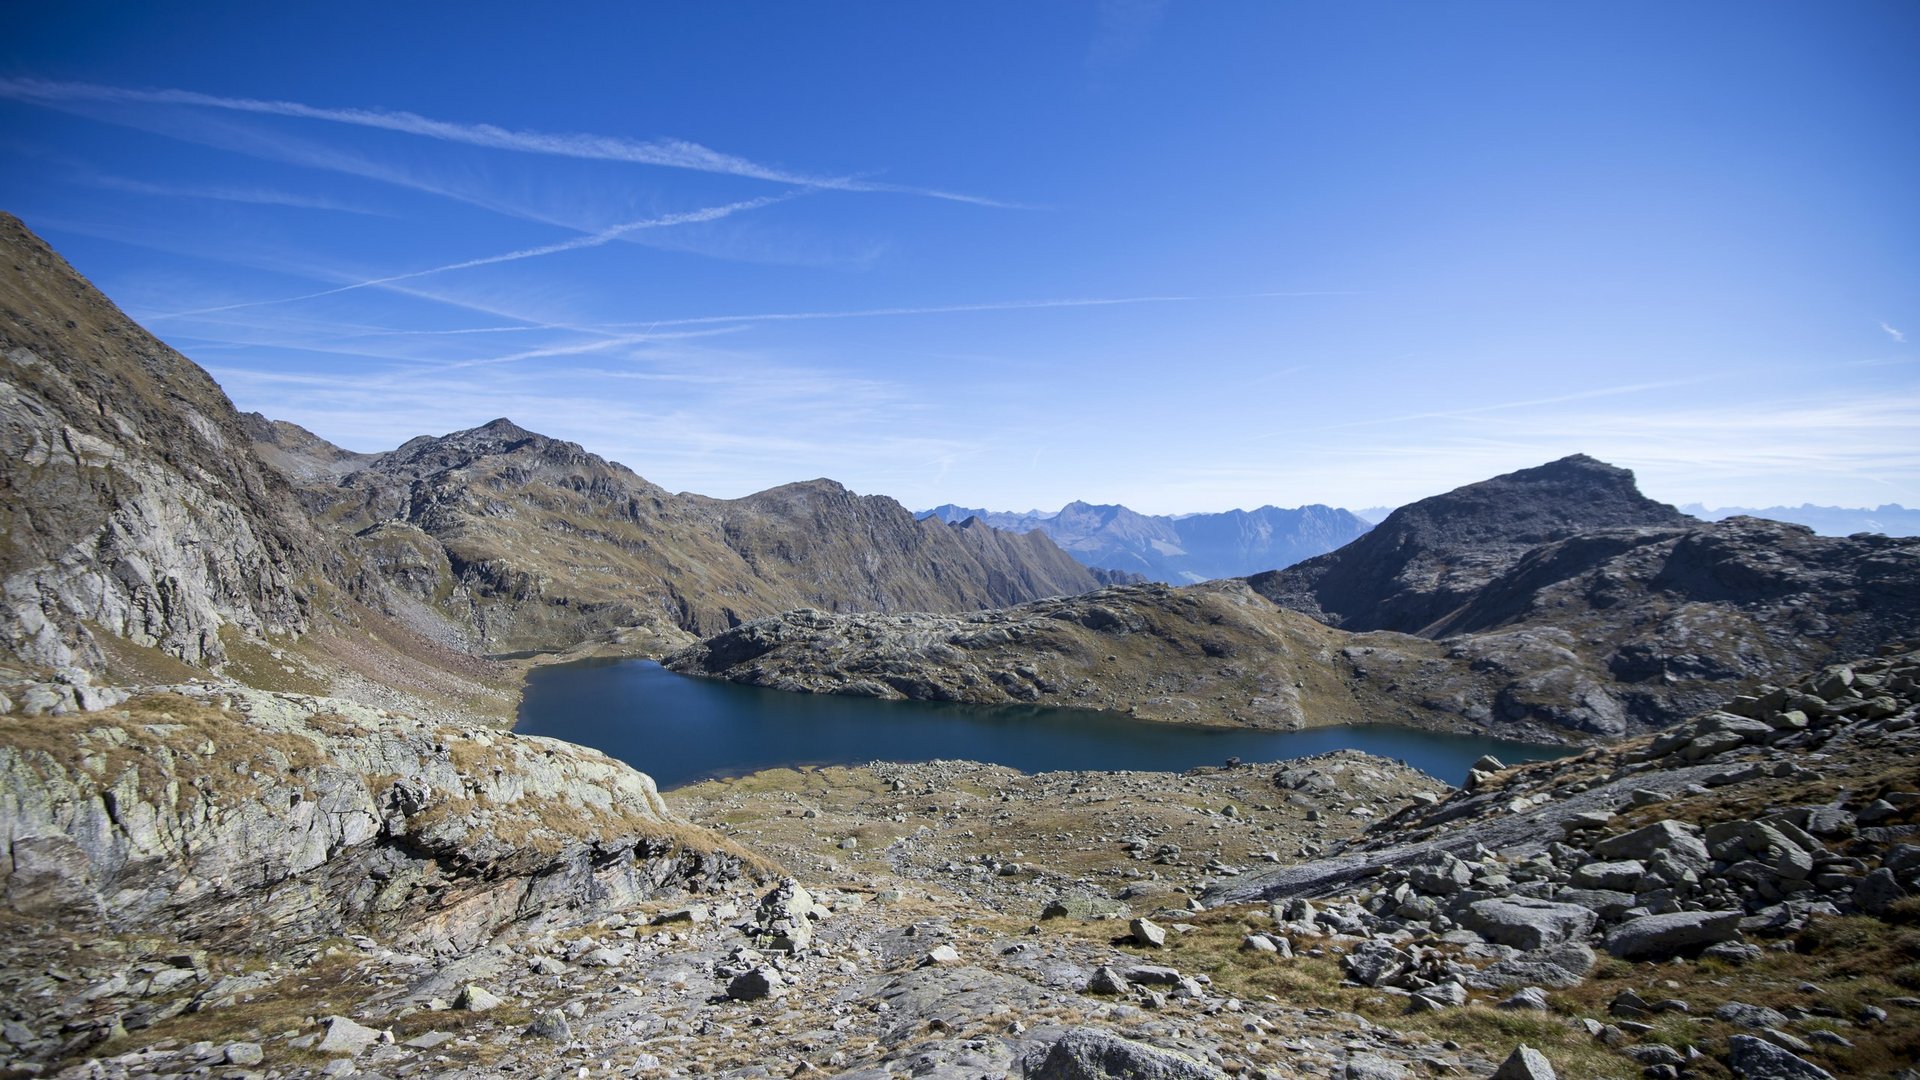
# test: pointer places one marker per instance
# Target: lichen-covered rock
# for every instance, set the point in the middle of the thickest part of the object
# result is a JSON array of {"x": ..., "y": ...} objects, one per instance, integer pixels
[{"x": 217, "y": 811}]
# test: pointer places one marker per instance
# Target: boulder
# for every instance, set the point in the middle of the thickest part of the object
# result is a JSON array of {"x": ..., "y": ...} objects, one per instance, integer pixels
[
  {"x": 1563, "y": 965},
  {"x": 550, "y": 1024},
  {"x": 1526, "y": 923},
  {"x": 1525, "y": 1063},
  {"x": 476, "y": 998},
  {"x": 1674, "y": 837},
  {"x": 1083, "y": 907},
  {"x": 1374, "y": 962},
  {"x": 756, "y": 984},
  {"x": 1757, "y": 1059},
  {"x": 1621, "y": 876},
  {"x": 345, "y": 1038},
  {"x": 1654, "y": 937},
  {"x": 1147, "y": 933},
  {"x": 1090, "y": 1054}
]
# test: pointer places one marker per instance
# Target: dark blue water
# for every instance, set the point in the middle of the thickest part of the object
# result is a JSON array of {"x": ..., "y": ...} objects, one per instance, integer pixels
[{"x": 680, "y": 729}]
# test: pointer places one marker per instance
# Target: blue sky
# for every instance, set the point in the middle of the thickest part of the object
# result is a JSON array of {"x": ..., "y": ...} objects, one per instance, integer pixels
[{"x": 1185, "y": 257}]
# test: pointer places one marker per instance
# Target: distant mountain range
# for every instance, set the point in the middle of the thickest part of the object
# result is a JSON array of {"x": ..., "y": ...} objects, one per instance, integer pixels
[
  {"x": 1178, "y": 549},
  {"x": 1892, "y": 519}
]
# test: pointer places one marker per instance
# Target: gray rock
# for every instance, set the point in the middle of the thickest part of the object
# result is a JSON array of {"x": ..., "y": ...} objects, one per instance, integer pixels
[
  {"x": 1148, "y": 933},
  {"x": 1442, "y": 995},
  {"x": 941, "y": 956},
  {"x": 1563, "y": 965},
  {"x": 756, "y": 984},
  {"x": 476, "y": 998},
  {"x": 1733, "y": 952},
  {"x": 1090, "y": 1054},
  {"x": 344, "y": 1037},
  {"x": 1660, "y": 936},
  {"x": 1364, "y": 1066},
  {"x": 1371, "y": 963},
  {"x": 1083, "y": 907},
  {"x": 242, "y": 1053},
  {"x": 1741, "y": 1014},
  {"x": 1622, "y": 876},
  {"x": 1878, "y": 891},
  {"x": 1678, "y": 838},
  {"x": 1531, "y": 998},
  {"x": 550, "y": 1024},
  {"x": 1526, "y": 923},
  {"x": 1757, "y": 1059},
  {"x": 1105, "y": 980},
  {"x": 1525, "y": 1063}
]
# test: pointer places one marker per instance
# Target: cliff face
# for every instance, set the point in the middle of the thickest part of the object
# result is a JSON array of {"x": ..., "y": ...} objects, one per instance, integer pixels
[
  {"x": 131, "y": 501},
  {"x": 536, "y": 543}
]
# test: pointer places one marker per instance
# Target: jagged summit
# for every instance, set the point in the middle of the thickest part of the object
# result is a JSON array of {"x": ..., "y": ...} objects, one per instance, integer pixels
[{"x": 1427, "y": 557}]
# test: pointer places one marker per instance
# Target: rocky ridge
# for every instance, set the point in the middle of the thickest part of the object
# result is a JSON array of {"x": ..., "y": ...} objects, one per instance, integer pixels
[
  {"x": 529, "y": 542},
  {"x": 1542, "y": 624}
]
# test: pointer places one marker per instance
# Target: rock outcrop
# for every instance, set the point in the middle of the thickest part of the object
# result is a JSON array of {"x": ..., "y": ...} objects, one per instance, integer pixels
[
  {"x": 219, "y": 814},
  {"x": 132, "y": 504}
]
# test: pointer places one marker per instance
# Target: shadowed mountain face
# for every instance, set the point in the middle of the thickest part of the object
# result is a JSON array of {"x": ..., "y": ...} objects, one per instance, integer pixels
[
  {"x": 1429, "y": 557},
  {"x": 537, "y": 544},
  {"x": 1180, "y": 550}
]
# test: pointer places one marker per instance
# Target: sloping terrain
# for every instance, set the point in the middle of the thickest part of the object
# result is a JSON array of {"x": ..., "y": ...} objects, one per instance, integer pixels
[
  {"x": 1184, "y": 549},
  {"x": 132, "y": 506},
  {"x": 1429, "y": 557},
  {"x": 1541, "y": 615},
  {"x": 530, "y": 542}
]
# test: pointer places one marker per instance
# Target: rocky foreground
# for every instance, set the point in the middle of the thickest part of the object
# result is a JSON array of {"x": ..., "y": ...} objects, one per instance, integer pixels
[{"x": 1736, "y": 896}]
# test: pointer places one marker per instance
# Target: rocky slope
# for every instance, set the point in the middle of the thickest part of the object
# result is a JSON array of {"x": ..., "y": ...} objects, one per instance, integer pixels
[
  {"x": 1543, "y": 612},
  {"x": 1734, "y": 897},
  {"x": 131, "y": 504},
  {"x": 534, "y": 543},
  {"x": 1183, "y": 549},
  {"x": 1429, "y": 557},
  {"x": 1889, "y": 518}
]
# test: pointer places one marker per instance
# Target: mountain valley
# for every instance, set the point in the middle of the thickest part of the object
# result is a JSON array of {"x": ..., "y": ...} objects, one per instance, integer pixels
[{"x": 265, "y": 814}]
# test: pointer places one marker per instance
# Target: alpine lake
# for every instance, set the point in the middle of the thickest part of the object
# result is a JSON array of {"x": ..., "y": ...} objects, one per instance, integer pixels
[{"x": 680, "y": 729}]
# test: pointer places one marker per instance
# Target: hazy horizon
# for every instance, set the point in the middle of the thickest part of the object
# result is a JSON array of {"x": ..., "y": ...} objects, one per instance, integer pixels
[{"x": 1181, "y": 258}]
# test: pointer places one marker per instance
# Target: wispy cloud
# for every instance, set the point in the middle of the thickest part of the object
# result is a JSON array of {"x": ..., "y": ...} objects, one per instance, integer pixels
[
  {"x": 1505, "y": 406},
  {"x": 664, "y": 153},
  {"x": 595, "y": 239},
  {"x": 254, "y": 196},
  {"x": 955, "y": 309},
  {"x": 1893, "y": 333}
]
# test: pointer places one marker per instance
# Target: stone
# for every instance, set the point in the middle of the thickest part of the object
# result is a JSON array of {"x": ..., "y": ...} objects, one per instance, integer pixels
[
  {"x": 1371, "y": 963},
  {"x": 1531, "y": 998},
  {"x": 1525, "y": 1063},
  {"x": 1621, "y": 876},
  {"x": 1679, "y": 838},
  {"x": 1364, "y": 1066},
  {"x": 1741, "y": 1014},
  {"x": 242, "y": 1053},
  {"x": 476, "y": 998},
  {"x": 1439, "y": 873},
  {"x": 941, "y": 956},
  {"x": 1561, "y": 966},
  {"x": 1105, "y": 980},
  {"x": 1878, "y": 891},
  {"x": 344, "y": 1037},
  {"x": 1258, "y": 943},
  {"x": 1661, "y": 936},
  {"x": 1753, "y": 1058},
  {"x": 1733, "y": 952},
  {"x": 1148, "y": 933},
  {"x": 756, "y": 984},
  {"x": 1083, "y": 907},
  {"x": 1527, "y": 923},
  {"x": 550, "y": 1024},
  {"x": 1090, "y": 1054},
  {"x": 1442, "y": 995}
]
